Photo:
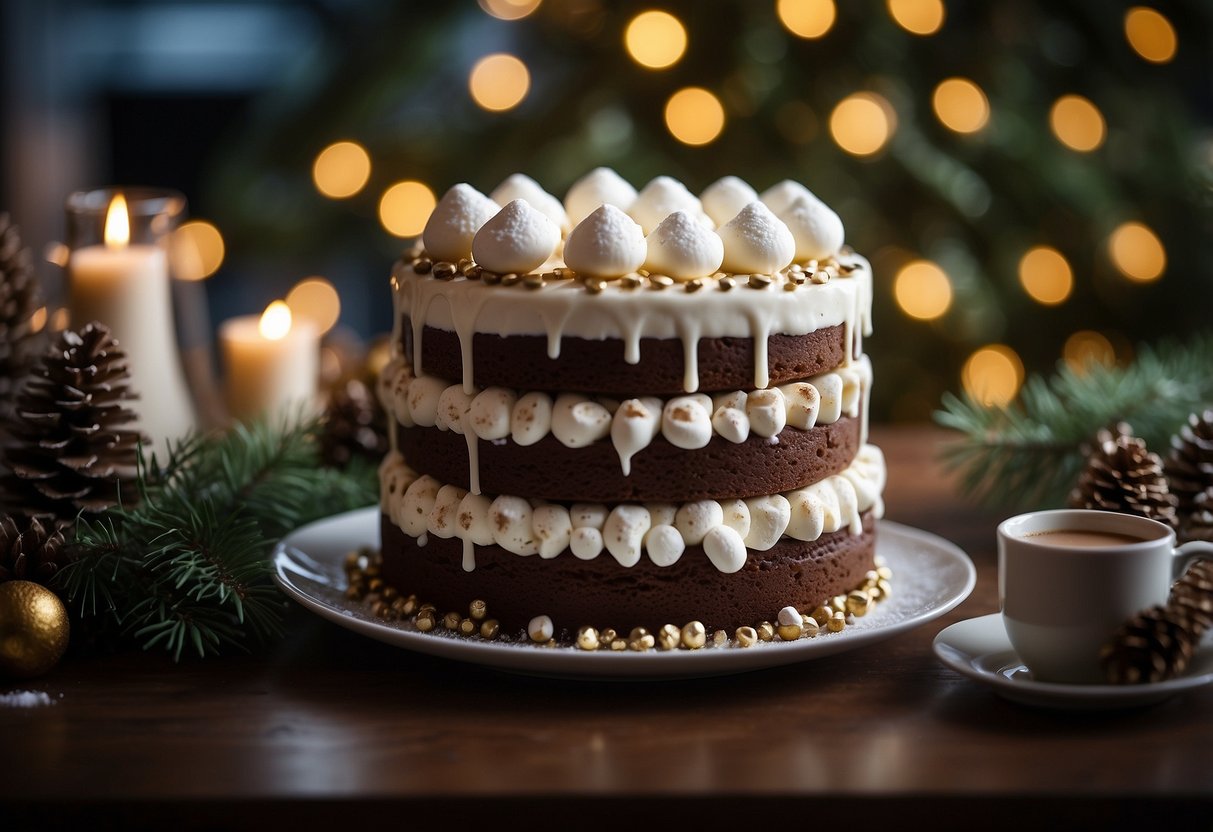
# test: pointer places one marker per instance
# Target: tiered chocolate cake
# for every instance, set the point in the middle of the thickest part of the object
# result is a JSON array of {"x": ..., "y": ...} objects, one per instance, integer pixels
[{"x": 630, "y": 410}]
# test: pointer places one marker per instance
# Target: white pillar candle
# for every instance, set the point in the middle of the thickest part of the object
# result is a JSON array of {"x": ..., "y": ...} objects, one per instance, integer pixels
[
  {"x": 272, "y": 364},
  {"x": 126, "y": 287}
]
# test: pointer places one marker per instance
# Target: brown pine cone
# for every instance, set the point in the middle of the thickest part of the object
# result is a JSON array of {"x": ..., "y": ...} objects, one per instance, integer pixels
[
  {"x": 1123, "y": 476},
  {"x": 71, "y": 444},
  {"x": 355, "y": 425},
  {"x": 18, "y": 302},
  {"x": 1198, "y": 525},
  {"x": 30, "y": 550},
  {"x": 1189, "y": 469},
  {"x": 1192, "y": 596},
  {"x": 1154, "y": 645}
]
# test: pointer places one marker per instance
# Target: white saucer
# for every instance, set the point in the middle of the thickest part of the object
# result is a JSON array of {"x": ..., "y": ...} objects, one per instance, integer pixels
[
  {"x": 979, "y": 648},
  {"x": 930, "y": 577}
]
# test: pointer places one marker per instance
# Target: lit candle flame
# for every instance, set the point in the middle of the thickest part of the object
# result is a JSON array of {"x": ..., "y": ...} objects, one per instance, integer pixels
[
  {"x": 117, "y": 223},
  {"x": 275, "y": 321}
]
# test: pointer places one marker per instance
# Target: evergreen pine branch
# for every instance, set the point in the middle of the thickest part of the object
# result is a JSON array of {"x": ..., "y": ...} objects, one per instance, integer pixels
[
  {"x": 1030, "y": 454},
  {"x": 186, "y": 566}
]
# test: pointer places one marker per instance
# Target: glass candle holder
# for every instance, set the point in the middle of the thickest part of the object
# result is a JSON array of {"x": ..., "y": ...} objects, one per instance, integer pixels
[{"x": 118, "y": 275}]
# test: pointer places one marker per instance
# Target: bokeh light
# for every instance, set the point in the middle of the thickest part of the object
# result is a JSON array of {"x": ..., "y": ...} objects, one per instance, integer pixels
[
  {"x": 694, "y": 116},
  {"x": 341, "y": 169},
  {"x": 1045, "y": 275},
  {"x": 922, "y": 290},
  {"x": 316, "y": 301},
  {"x": 993, "y": 374},
  {"x": 499, "y": 82},
  {"x": 655, "y": 39},
  {"x": 196, "y": 250},
  {"x": 1086, "y": 348},
  {"x": 60, "y": 318},
  {"x": 37, "y": 321},
  {"x": 1077, "y": 123},
  {"x": 1150, "y": 34},
  {"x": 509, "y": 9},
  {"x": 806, "y": 18},
  {"x": 919, "y": 17},
  {"x": 961, "y": 105},
  {"x": 275, "y": 321},
  {"x": 861, "y": 124},
  {"x": 1137, "y": 252},
  {"x": 405, "y": 207}
]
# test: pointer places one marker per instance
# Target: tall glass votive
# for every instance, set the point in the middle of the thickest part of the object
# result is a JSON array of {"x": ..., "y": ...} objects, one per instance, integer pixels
[{"x": 118, "y": 274}]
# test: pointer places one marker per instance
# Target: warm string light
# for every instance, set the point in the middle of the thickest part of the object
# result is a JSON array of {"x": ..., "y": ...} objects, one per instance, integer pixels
[
  {"x": 196, "y": 250},
  {"x": 918, "y": 17},
  {"x": 807, "y": 19},
  {"x": 694, "y": 116},
  {"x": 316, "y": 301},
  {"x": 861, "y": 124},
  {"x": 961, "y": 105},
  {"x": 1150, "y": 35},
  {"x": 509, "y": 9},
  {"x": 1137, "y": 253},
  {"x": 341, "y": 170},
  {"x": 405, "y": 207},
  {"x": 1045, "y": 275},
  {"x": 1077, "y": 123},
  {"x": 1087, "y": 348},
  {"x": 655, "y": 39},
  {"x": 922, "y": 290},
  {"x": 499, "y": 82},
  {"x": 992, "y": 375}
]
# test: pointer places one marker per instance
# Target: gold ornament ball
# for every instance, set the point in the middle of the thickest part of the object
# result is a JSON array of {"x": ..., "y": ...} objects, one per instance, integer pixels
[{"x": 33, "y": 629}]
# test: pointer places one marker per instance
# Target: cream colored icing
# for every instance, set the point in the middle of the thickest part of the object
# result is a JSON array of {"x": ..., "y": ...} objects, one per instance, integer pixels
[{"x": 420, "y": 505}]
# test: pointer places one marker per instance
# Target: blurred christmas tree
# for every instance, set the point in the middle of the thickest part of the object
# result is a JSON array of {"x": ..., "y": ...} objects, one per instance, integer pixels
[{"x": 1030, "y": 179}]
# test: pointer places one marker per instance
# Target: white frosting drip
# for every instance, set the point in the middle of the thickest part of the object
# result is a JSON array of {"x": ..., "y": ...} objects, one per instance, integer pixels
[
  {"x": 518, "y": 238},
  {"x": 724, "y": 528},
  {"x": 756, "y": 241},
  {"x": 815, "y": 227},
  {"x": 607, "y": 243},
  {"x": 454, "y": 222},
  {"x": 521, "y": 186},
  {"x": 601, "y": 186},
  {"x": 782, "y": 194},
  {"x": 682, "y": 248},
  {"x": 662, "y": 197},
  {"x": 724, "y": 198},
  {"x": 576, "y": 420}
]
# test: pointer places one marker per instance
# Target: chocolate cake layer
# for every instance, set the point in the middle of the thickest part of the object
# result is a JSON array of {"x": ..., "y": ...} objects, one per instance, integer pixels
[
  {"x": 601, "y": 593},
  {"x": 521, "y": 362},
  {"x": 661, "y": 472}
]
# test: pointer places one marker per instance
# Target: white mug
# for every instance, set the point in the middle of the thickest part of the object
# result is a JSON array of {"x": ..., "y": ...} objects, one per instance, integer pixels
[{"x": 1062, "y": 603}]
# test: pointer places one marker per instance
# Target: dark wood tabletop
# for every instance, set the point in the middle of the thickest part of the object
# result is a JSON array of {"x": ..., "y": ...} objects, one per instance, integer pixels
[{"x": 331, "y": 728}]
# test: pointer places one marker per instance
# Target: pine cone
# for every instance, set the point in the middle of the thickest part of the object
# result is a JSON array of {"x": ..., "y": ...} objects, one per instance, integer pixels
[
  {"x": 18, "y": 302},
  {"x": 1123, "y": 476},
  {"x": 1189, "y": 469},
  {"x": 30, "y": 550},
  {"x": 1154, "y": 645},
  {"x": 1198, "y": 525},
  {"x": 70, "y": 440},
  {"x": 355, "y": 424},
  {"x": 1192, "y": 596}
]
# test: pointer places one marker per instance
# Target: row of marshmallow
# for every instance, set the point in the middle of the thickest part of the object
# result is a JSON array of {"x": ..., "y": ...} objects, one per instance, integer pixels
[
  {"x": 726, "y": 529},
  {"x": 688, "y": 422},
  {"x": 664, "y": 228}
]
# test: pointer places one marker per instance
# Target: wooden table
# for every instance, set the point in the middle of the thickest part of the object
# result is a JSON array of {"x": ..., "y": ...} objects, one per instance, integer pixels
[{"x": 884, "y": 735}]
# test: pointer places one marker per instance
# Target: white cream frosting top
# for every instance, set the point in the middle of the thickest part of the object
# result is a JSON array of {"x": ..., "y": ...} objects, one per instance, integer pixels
[
  {"x": 521, "y": 186},
  {"x": 607, "y": 243},
  {"x": 756, "y": 241},
  {"x": 815, "y": 227},
  {"x": 517, "y": 239},
  {"x": 601, "y": 186},
  {"x": 780, "y": 195},
  {"x": 454, "y": 222},
  {"x": 661, "y": 197},
  {"x": 725, "y": 198},
  {"x": 683, "y": 248}
]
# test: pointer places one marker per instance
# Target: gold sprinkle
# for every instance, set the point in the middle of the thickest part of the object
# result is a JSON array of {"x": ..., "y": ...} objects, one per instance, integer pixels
[
  {"x": 766, "y": 631},
  {"x": 836, "y": 623},
  {"x": 759, "y": 281},
  {"x": 594, "y": 285},
  {"x": 565, "y": 273},
  {"x": 619, "y": 644},
  {"x": 490, "y": 628},
  {"x": 510, "y": 279},
  {"x": 637, "y": 633},
  {"x": 847, "y": 268},
  {"x": 694, "y": 635},
  {"x": 607, "y": 636},
  {"x": 642, "y": 272},
  {"x": 810, "y": 626},
  {"x": 693, "y": 285},
  {"x": 746, "y": 636},
  {"x": 425, "y": 622},
  {"x": 858, "y": 603},
  {"x": 642, "y": 644},
  {"x": 839, "y": 603},
  {"x": 381, "y": 610},
  {"x": 422, "y": 265},
  {"x": 820, "y": 277},
  {"x": 822, "y": 613},
  {"x": 444, "y": 270},
  {"x": 353, "y": 560},
  {"x": 467, "y": 626},
  {"x": 726, "y": 283},
  {"x": 491, "y": 278},
  {"x": 789, "y": 632},
  {"x": 884, "y": 572},
  {"x": 354, "y": 592},
  {"x": 533, "y": 281},
  {"x": 398, "y": 606},
  {"x": 587, "y": 638},
  {"x": 390, "y": 594},
  {"x": 410, "y": 605},
  {"x": 790, "y": 286},
  {"x": 478, "y": 609},
  {"x": 428, "y": 607},
  {"x": 376, "y": 585},
  {"x": 886, "y": 589},
  {"x": 669, "y": 637},
  {"x": 551, "y": 275},
  {"x": 473, "y": 272},
  {"x": 631, "y": 281},
  {"x": 660, "y": 281},
  {"x": 720, "y": 638},
  {"x": 797, "y": 278},
  {"x": 451, "y": 620},
  {"x": 371, "y": 599}
]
